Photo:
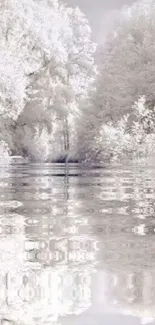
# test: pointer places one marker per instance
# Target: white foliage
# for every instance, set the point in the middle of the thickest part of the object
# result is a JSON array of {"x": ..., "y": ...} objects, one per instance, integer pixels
[
  {"x": 12, "y": 86},
  {"x": 127, "y": 64},
  {"x": 46, "y": 66},
  {"x": 36, "y": 144},
  {"x": 115, "y": 140},
  {"x": 125, "y": 140},
  {"x": 4, "y": 152}
]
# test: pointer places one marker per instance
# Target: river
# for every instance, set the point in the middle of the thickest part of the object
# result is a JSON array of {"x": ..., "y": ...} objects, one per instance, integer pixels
[{"x": 77, "y": 245}]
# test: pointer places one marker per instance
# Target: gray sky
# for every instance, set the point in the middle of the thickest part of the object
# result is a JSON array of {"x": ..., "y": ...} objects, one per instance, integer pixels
[
  {"x": 100, "y": 4},
  {"x": 101, "y": 13}
]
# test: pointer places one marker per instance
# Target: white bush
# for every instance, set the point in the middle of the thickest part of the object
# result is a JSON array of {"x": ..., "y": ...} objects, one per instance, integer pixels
[{"x": 125, "y": 139}]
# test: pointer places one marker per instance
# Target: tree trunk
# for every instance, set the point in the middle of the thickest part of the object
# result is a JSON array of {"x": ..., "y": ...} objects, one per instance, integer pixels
[{"x": 66, "y": 136}]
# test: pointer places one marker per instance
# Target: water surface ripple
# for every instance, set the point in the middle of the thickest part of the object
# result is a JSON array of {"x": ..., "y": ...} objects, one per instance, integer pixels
[{"x": 77, "y": 246}]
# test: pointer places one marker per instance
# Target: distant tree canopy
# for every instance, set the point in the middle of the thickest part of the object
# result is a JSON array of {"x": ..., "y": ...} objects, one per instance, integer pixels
[{"x": 127, "y": 67}]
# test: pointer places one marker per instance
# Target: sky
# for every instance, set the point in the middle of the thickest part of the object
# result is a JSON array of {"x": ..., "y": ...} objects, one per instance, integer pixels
[{"x": 101, "y": 14}]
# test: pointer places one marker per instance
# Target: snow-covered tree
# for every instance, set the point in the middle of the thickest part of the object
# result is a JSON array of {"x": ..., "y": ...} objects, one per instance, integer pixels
[
  {"x": 47, "y": 70},
  {"x": 127, "y": 69},
  {"x": 65, "y": 76},
  {"x": 121, "y": 140}
]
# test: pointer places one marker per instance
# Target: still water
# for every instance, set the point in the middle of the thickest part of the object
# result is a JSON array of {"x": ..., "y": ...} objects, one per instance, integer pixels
[{"x": 77, "y": 246}]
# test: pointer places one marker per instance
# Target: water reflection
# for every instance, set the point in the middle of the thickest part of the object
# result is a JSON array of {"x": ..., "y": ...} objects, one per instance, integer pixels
[{"x": 76, "y": 244}]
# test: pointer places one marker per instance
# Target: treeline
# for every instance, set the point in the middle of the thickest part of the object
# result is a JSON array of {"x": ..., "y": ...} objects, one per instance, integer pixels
[{"x": 56, "y": 103}]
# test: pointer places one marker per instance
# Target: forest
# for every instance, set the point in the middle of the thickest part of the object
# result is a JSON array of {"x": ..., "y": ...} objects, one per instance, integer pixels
[{"x": 65, "y": 98}]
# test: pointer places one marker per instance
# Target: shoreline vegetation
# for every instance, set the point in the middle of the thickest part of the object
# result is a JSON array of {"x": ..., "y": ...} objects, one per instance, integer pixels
[{"x": 58, "y": 103}]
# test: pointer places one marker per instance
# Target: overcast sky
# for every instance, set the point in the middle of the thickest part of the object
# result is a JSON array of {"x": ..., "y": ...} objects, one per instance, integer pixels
[{"x": 100, "y": 13}]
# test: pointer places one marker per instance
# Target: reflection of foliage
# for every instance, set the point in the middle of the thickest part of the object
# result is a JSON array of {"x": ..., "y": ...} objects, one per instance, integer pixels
[
  {"x": 129, "y": 257},
  {"x": 58, "y": 231},
  {"x": 46, "y": 265}
]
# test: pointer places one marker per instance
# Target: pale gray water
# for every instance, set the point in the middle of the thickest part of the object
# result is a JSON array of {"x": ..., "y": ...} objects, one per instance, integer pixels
[{"x": 77, "y": 246}]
